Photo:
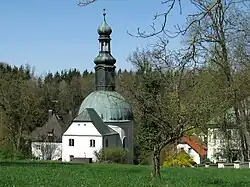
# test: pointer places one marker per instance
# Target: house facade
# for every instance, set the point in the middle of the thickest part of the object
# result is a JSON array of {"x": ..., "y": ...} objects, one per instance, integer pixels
[
  {"x": 46, "y": 141},
  {"x": 223, "y": 144},
  {"x": 86, "y": 135},
  {"x": 47, "y": 150},
  {"x": 193, "y": 147},
  {"x": 223, "y": 138}
]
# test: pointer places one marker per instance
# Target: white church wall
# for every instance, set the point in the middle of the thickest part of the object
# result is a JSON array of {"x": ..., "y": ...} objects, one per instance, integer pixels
[
  {"x": 81, "y": 140},
  {"x": 46, "y": 150},
  {"x": 191, "y": 152}
]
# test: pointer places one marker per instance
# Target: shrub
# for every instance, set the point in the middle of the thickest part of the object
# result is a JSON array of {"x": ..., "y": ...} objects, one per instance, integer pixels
[
  {"x": 205, "y": 160},
  {"x": 145, "y": 159},
  {"x": 112, "y": 155},
  {"x": 181, "y": 159},
  {"x": 7, "y": 154}
]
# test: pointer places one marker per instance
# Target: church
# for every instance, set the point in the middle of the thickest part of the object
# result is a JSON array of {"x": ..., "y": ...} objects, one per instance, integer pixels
[{"x": 104, "y": 119}]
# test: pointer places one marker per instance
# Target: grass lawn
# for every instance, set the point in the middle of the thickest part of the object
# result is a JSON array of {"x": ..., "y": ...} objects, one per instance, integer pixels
[{"x": 27, "y": 174}]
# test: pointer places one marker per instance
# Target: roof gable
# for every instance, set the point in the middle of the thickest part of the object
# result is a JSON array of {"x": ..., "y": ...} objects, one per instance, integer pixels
[
  {"x": 196, "y": 145},
  {"x": 90, "y": 115},
  {"x": 83, "y": 117},
  {"x": 53, "y": 125}
]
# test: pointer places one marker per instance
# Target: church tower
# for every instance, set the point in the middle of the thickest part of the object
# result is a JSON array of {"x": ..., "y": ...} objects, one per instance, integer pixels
[
  {"x": 112, "y": 108},
  {"x": 105, "y": 62}
]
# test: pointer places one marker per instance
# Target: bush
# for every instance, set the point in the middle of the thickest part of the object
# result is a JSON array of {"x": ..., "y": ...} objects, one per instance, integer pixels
[
  {"x": 181, "y": 159},
  {"x": 8, "y": 154},
  {"x": 145, "y": 159},
  {"x": 112, "y": 155},
  {"x": 205, "y": 160}
]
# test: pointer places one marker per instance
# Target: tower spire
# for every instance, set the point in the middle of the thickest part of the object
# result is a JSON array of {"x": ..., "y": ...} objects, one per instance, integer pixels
[
  {"x": 105, "y": 62},
  {"x": 104, "y": 14}
]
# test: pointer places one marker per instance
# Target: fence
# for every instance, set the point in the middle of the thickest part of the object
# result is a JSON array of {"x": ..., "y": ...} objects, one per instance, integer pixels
[{"x": 236, "y": 165}]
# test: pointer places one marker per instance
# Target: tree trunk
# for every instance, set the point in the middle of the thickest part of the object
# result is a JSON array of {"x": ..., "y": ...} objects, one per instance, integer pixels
[
  {"x": 244, "y": 134},
  {"x": 156, "y": 163},
  {"x": 153, "y": 173},
  {"x": 19, "y": 137},
  {"x": 245, "y": 130}
]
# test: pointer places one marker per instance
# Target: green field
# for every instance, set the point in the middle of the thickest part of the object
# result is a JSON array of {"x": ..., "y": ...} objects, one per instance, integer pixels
[{"x": 23, "y": 174}]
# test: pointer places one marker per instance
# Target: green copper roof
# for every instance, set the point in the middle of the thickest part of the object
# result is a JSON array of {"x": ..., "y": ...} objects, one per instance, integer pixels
[
  {"x": 109, "y": 105},
  {"x": 104, "y": 28},
  {"x": 105, "y": 58}
]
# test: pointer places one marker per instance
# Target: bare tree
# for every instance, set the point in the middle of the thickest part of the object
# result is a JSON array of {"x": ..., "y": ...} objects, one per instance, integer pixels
[
  {"x": 164, "y": 104},
  {"x": 214, "y": 40},
  {"x": 49, "y": 150}
]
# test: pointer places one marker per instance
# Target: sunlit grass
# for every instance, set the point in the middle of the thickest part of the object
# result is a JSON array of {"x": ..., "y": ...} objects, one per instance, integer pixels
[{"x": 27, "y": 174}]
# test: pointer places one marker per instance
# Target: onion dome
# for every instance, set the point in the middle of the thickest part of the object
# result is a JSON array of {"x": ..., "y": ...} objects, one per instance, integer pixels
[{"x": 104, "y": 28}]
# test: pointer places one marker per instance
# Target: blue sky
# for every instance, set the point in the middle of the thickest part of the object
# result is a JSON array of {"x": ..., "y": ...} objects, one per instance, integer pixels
[{"x": 53, "y": 35}]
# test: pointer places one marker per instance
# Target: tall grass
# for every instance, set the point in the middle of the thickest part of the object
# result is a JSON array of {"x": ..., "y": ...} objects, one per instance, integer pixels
[{"x": 38, "y": 174}]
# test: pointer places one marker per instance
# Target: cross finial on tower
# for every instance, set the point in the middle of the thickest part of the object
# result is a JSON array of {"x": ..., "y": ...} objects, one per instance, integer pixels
[{"x": 104, "y": 13}]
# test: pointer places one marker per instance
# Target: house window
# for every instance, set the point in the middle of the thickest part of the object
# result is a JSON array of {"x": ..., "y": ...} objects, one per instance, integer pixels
[
  {"x": 71, "y": 157},
  {"x": 189, "y": 150},
  {"x": 38, "y": 146},
  {"x": 106, "y": 143},
  {"x": 71, "y": 142},
  {"x": 214, "y": 134},
  {"x": 92, "y": 143}
]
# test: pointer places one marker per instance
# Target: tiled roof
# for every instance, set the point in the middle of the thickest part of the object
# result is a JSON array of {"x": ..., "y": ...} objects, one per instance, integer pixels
[
  {"x": 54, "y": 124},
  {"x": 196, "y": 145},
  {"x": 90, "y": 115}
]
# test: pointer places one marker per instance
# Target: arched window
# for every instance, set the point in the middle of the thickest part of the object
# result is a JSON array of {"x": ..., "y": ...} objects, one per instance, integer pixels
[{"x": 124, "y": 142}]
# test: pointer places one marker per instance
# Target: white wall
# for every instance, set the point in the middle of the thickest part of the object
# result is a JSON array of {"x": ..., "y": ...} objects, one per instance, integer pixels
[
  {"x": 44, "y": 150},
  {"x": 81, "y": 148},
  {"x": 82, "y": 133},
  {"x": 213, "y": 144},
  {"x": 82, "y": 128},
  {"x": 192, "y": 153},
  {"x": 216, "y": 143}
]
